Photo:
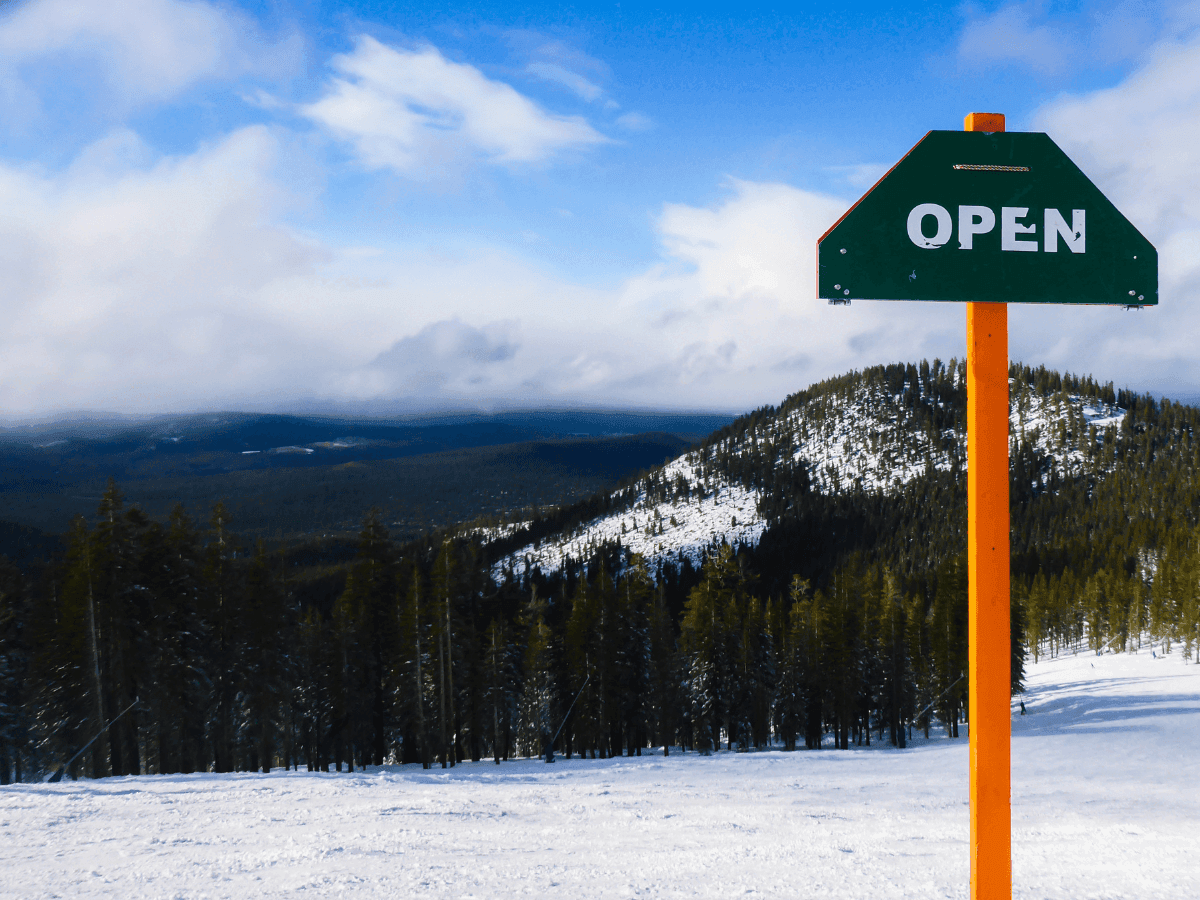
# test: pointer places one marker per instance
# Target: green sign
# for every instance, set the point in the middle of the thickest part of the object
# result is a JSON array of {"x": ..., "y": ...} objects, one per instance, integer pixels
[{"x": 974, "y": 216}]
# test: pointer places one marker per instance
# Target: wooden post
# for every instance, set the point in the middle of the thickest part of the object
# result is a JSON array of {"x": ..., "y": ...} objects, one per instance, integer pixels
[{"x": 988, "y": 574}]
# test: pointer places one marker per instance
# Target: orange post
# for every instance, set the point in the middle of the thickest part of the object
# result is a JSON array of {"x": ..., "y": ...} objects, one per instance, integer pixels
[{"x": 988, "y": 574}]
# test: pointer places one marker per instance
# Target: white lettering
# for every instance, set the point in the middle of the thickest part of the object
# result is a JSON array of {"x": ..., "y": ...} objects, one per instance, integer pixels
[
  {"x": 1056, "y": 225},
  {"x": 973, "y": 220},
  {"x": 1009, "y": 229},
  {"x": 916, "y": 219}
]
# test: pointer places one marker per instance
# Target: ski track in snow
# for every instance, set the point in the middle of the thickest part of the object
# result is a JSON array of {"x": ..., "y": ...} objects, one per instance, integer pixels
[
  {"x": 860, "y": 443},
  {"x": 1104, "y": 806}
]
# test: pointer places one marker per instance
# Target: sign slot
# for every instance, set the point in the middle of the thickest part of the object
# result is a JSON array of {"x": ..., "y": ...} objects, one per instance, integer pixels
[{"x": 971, "y": 167}]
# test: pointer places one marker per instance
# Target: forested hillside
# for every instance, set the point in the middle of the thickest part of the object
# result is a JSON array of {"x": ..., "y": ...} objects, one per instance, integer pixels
[
  {"x": 796, "y": 580},
  {"x": 286, "y": 478}
]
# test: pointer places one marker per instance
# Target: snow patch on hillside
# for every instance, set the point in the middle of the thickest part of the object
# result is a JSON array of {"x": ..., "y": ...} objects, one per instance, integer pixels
[
  {"x": 488, "y": 533},
  {"x": 1070, "y": 429},
  {"x": 869, "y": 444},
  {"x": 865, "y": 444},
  {"x": 713, "y": 511}
]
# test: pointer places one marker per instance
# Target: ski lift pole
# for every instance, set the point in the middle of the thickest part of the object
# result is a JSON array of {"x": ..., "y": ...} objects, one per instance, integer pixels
[
  {"x": 57, "y": 776},
  {"x": 939, "y": 697},
  {"x": 550, "y": 746}
]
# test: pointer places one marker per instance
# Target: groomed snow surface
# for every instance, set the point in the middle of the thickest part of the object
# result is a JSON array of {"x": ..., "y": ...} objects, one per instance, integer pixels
[{"x": 1105, "y": 805}]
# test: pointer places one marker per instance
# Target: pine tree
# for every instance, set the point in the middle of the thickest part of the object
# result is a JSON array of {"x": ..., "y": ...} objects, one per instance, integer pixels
[
  {"x": 415, "y": 676},
  {"x": 584, "y": 641},
  {"x": 537, "y": 695},
  {"x": 376, "y": 576},
  {"x": 665, "y": 699},
  {"x": 16, "y": 735},
  {"x": 500, "y": 673},
  {"x": 705, "y": 646},
  {"x": 263, "y": 663},
  {"x": 633, "y": 655},
  {"x": 948, "y": 642},
  {"x": 66, "y": 661},
  {"x": 894, "y": 641},
  {"x": 445, "y": 586},
  {"x": 182, "y": 677},
  {"x": 222, "y": 601}
]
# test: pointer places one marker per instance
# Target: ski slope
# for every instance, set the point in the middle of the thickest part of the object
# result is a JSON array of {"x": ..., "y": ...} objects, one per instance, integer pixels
[{"x": 1105, "y": 805}]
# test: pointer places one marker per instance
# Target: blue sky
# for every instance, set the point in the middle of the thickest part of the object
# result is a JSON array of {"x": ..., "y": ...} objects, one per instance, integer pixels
[{"x": 378, "y": 206}]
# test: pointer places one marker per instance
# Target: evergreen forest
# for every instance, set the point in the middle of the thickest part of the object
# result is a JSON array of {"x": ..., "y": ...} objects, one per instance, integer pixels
[{"x": 845, "y": 624}]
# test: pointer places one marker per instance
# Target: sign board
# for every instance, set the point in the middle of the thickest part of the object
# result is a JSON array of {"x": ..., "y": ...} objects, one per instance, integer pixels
[{"x": 973, "y": 216}]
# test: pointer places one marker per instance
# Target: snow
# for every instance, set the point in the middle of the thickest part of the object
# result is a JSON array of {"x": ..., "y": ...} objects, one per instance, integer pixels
[
  {"x": 1104, "y": 806},
  {"x": 862, "y": 443},
  {"x": 686, "y": 528},
  {"x": 1061, "y": 426},
  {"x": 866, "y": 443},
  {"x": 496, "y": 532}
]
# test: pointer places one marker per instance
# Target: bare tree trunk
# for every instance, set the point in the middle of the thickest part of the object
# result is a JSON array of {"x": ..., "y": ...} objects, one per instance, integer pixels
[
  {"x": 442, "y": 697},
  {"x": 495, "y": 703},
  {"x": 450, "y": 681},
  {"x": 449, "y": 732},
  {"x": 422, "y": 740},
  {"x": 100, "y": 754}
]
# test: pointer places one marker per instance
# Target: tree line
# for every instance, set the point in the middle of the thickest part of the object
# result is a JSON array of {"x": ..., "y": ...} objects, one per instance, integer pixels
[
  {"x": 846, "y": 624},
  {"x": 221, "y": 663}
]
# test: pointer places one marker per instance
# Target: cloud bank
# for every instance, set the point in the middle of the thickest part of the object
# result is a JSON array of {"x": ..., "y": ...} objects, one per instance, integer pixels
[
  {"x": 141, "y": 51},
  {"x": 142, "y": 283}
]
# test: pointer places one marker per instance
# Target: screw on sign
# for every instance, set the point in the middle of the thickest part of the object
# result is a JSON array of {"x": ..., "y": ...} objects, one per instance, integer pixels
[{"x": 987, "y": 217}]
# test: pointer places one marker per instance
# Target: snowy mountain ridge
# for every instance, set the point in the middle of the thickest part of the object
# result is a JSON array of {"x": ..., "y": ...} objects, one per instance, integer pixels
[{"x": 852, "y": 434}]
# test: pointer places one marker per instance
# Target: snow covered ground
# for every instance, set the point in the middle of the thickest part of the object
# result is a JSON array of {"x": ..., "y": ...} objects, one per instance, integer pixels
[{"x": 1105, "y": 805}]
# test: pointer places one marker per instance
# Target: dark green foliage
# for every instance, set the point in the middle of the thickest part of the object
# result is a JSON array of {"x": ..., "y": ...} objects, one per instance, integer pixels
[{"x": 17, "y": 747}]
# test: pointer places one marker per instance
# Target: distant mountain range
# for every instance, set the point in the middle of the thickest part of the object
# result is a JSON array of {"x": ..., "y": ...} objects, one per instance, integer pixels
[{"x": 294, "y": 476}]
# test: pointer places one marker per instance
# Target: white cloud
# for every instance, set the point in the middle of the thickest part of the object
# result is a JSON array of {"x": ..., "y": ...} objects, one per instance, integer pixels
[
  {"x": 139, "y": 288},
  {"x": 444, "y": 359},
  {"x": 1140, "y": 143},
  {"x": 1011, "y": 35},
  {"x": 573, "y": 81},
  {"x": 730, "y": 319},
  {"x": 863, "y": 175},
  {"x": 142, "y": 285},
  {"x": 635, "y": 121},
  {"x": 413, "y": 110},
  {"x": 145, "y": 50},
  {"x": 1052, "y": 41},
  {"x": 560, "y": 63}
]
